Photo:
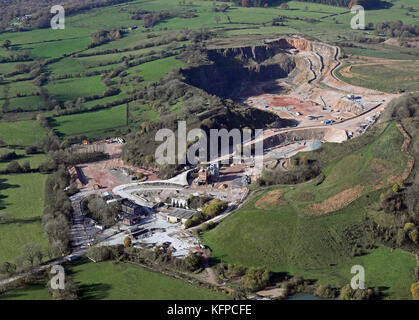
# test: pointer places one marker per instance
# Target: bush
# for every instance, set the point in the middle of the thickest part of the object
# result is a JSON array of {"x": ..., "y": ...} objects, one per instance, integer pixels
[
  {"x": 194, "y": 261},
  {"x": 256, "y": 279},
  {"x": 7, "y": 156},
  {"x": 325, "y": 291},
  {"x": 14, "y": 167},
  {"x": 409, "y": 226},
  {"x": 237, "y": 270},
  {"x": 415, "y": 290},
  {"x": 207, "y": 226},
  {"x": 99, "y": 254},
  {"x": 127, "y": 242},
  {"x": 347, "y": 293},
  {"x": 301, "y": 173},
  {"x": 7, "y": 268},
  {"x": 414, "y": 236},
  {"x": 214, "y": 208},
  {"x": 70, "y": 291}
]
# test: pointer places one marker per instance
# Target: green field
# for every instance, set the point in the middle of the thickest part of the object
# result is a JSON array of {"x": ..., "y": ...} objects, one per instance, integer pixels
[
  {"x": 21, "y": 196},
  {"x": 109, "y": 281},
  {"x": 283, "y": 235},
  {"x": 127, "y": 282},
  {"x": 91, "y": 123},
  {"x": 34, "y": 159},
  {"x": 21, "y": 132},
  {"x": 154, "y": 70},
  {"x": 45, "y": 44},
  {"x": 288, "y": 235},
  {"x": 32, "y": 291},
  {"x": 392, "y": 77},
  {"x": 69, "y": 89}
]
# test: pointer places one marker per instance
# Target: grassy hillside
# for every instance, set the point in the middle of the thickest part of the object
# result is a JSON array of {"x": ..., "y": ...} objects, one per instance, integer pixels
[
  {"x": 292, "y": 230},
  {"x": 384, "y": 75}
]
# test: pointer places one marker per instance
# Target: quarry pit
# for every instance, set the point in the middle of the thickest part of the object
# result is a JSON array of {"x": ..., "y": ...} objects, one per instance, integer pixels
[{"x": 294, "y": 78}]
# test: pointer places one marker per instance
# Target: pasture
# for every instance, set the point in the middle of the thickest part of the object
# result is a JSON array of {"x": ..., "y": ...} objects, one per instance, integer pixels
[
  {"x": 298, "y": 234},
  {"x": 22, "y": 197},
  {"x": 69, "y": 89},
  {"x": 109, "y": 281},
  {"x": 91, "y": 123},
  {"x": 23, "y": 133}
]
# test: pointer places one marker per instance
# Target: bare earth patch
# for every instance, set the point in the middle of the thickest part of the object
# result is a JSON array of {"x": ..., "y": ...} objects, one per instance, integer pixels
[
  {"x": 338, "y": 201},
  {"x": 345, "y": 197},
  {"x": 270, "y": 198}
]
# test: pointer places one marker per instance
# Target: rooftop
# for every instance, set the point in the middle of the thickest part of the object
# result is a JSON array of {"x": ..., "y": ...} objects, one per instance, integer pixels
[
  {"x": 130, "y": 203},
  {"x": 181, "y": 213}
]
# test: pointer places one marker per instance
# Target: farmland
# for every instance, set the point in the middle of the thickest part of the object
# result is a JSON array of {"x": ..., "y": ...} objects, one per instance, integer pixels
[
  {"x": 33, "y": 291},
  {"x": 46, "y": 44},
  {"x": 284, "y": 236},
  {"x": 108, "y": 74},
  {"x": 22, "y": 197},
  {"x": 109, "y": 281},
  {"x": 21, "y": 133},
  {"x": 89, "y": 123},
  {"x": 106, "y": 281}
]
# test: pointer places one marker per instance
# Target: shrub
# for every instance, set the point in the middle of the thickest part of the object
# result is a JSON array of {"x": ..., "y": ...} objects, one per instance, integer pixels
[
  {"x": 414, "y": 236},
  {"x": 127, "y": 242},
  {"x": 325, "y": 291},
  {"x": 256, "y": 279},
  {"x": 99, "y": 254},
  {"x": 347, "y": 293},
  {"x": 194, "y": 261},
  {"x": 14, "y": 167},
  {"x": 408, "y": 226},
  {"x": 214, "y": 208},
  {"x": 415, "y": 290}
]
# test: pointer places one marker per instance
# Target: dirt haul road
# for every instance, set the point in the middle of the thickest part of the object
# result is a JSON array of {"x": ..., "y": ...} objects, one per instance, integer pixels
[{"x": 314, "y": 90}]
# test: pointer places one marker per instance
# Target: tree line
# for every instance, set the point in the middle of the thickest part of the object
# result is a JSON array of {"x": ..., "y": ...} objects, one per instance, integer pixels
[{"x": 36, "y": 14}]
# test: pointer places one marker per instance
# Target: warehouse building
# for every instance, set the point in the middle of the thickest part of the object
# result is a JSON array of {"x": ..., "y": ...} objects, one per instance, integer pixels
[{"x": 179, "y": 215}]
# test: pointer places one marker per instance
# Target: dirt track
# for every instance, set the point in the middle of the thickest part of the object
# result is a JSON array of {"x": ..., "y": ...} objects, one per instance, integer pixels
[{"x": 315, "y": 90}]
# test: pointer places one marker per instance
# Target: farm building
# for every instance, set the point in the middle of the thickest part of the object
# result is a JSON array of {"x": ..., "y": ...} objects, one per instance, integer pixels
[{"x": 179, "y": 214}]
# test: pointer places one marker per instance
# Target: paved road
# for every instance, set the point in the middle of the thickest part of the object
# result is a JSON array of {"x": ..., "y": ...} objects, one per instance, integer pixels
[
  {"x": 77, "y": 253},
  {"x": 81, "y": 231},
  {"x": 79, "y": 238}
]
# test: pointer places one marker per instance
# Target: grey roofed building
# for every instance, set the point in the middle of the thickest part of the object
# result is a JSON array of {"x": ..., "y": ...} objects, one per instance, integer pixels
[
  {"x": 131, "y": 207},
  {"x": 180, "y": 214}
]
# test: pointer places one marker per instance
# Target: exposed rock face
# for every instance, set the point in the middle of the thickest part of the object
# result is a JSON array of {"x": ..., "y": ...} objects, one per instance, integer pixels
[
  {"x": 321, "y": 134},
  {"x": 232, "y": 68}
]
